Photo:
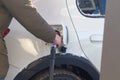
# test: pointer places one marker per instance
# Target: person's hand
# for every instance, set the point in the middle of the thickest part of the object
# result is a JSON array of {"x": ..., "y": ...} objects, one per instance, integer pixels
[{"x": 58, "y": 40}]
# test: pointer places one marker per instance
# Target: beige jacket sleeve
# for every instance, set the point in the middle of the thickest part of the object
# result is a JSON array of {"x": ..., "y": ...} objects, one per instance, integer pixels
[{"x": 25, "y": 12}]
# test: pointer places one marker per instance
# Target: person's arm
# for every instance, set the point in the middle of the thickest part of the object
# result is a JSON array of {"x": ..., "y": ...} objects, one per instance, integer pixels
[{"x": 27, "y": 15}]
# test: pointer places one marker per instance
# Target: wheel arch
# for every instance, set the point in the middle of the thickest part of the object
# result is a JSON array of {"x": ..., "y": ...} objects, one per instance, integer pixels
[{"x": 67, "y": 59}]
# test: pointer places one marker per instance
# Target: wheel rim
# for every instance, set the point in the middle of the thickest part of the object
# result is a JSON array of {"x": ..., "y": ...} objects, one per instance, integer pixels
[
  {"x": 59, "y": 74},
  {"x": 62, "y": 77}
]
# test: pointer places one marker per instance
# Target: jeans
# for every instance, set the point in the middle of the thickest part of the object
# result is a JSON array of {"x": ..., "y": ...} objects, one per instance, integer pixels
[{"x": 1, "y": 78}]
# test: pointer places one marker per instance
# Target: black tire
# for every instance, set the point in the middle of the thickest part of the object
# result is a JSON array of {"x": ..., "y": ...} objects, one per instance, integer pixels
[{"x": 59, "y": 74}]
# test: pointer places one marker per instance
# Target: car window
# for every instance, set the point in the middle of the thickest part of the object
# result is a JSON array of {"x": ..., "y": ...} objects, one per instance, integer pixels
[{"x": 91, "y": 7}]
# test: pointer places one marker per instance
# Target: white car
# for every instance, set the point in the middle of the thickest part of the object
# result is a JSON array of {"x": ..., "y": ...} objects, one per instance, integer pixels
[{"x": 81, "y": 23}]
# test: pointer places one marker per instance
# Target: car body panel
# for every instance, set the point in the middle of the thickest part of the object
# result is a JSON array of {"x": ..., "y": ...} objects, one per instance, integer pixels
[{"x": 90, "y": 33}]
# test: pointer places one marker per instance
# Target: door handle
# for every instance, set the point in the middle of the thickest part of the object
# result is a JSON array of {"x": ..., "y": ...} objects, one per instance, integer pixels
[{"x": 96, "y": 38}]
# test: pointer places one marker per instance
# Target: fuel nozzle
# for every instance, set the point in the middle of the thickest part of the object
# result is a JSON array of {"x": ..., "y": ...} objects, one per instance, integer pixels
[{"x": 52, "y": 61}]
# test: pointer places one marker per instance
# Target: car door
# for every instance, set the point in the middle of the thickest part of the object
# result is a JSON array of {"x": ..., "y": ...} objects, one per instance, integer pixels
[{"x": 87, "y": 17}]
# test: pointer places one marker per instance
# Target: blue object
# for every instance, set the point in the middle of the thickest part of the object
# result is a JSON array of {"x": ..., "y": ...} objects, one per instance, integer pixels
[
  {"x": 102, "y": 6},
  {"x": 1, "y": 78}
]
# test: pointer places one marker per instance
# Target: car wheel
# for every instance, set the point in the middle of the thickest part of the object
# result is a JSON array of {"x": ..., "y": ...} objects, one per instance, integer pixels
[{"x": 59, "y": 74}]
